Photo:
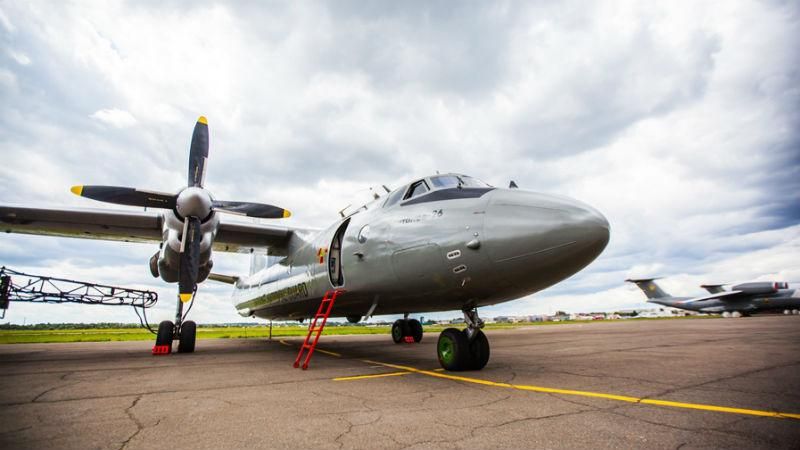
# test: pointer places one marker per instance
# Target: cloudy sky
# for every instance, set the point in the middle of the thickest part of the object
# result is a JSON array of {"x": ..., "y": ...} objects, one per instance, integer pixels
[{"x": 679, "y": 121}]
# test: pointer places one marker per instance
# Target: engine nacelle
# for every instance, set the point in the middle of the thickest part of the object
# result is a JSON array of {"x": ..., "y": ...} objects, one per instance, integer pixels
[
  {"x": 760, "y": 287},
  {"x": 169, "y": 258}
]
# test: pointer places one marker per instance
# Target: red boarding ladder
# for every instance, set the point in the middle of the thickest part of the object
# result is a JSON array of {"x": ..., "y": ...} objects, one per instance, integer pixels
[{"x": 323, "y": 312}]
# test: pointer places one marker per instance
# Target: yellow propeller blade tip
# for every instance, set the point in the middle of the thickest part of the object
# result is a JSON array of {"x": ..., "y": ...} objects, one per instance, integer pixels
[
  {"x": 77, "y": 190},
  {"x": 185, "y": 297},
  {"x": 203, "y": 120},
  {"x": 287, "y": 213}
]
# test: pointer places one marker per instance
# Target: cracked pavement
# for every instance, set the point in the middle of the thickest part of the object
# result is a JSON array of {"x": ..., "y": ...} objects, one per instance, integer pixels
[{"x": 245, "y": 393}]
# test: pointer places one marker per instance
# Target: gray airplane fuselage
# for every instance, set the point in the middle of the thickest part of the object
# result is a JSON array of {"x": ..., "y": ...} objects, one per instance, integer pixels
[
  {"x": 782, "y": 299},
  {"x": 452, "y": 248}
]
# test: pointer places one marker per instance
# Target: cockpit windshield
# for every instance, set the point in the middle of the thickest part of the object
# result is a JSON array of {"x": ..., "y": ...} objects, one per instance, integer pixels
[
  {"x": 394, "y": 197},
  {"x": 434, "y": 183},
  {"x": 449, "y": 181}
]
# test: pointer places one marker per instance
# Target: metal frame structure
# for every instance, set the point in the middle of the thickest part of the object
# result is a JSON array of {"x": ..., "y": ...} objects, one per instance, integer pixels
[{"x": 23, "y": 287}]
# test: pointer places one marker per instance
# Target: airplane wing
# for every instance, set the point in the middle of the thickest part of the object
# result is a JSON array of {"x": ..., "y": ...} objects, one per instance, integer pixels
[
  {"x": 133, "y": 226},
  {"x": 724, "y": 295}
]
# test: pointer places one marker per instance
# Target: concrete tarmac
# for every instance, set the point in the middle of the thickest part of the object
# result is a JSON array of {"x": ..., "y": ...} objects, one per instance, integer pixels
[{"x": 717, "y": 383}]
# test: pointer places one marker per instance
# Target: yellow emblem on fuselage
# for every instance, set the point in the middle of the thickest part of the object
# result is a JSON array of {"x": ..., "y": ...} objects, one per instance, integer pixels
[{"x": 321, "y": 254}]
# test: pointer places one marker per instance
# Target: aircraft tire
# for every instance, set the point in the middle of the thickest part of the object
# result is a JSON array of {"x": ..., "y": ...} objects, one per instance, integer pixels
[
  {"x": 398, "y": 331},
  {"x": 415, "y": 329},
  {"x": 452, "y": 350},
  {"x": 166, "y": 330},
  {"x": 187, "y": 339},
  {"x": 478, "y": 351}
]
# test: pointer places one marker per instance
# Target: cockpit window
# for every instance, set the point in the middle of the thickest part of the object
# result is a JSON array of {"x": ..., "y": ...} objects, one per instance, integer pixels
[
  {"x": 394, "y": 197},
  {"x": 450, "y": 181},
  {"x": 418, "y": 188},
  {"x": 436, "y": 182},
  {"x": 445, "y": 181},
  {"x": 468, "y": 181}
]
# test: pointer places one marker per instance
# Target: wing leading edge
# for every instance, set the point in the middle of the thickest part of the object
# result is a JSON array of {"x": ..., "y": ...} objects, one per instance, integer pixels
[
  {"x": 724, "y": 295},
  {"x": 134, "y": 226}
]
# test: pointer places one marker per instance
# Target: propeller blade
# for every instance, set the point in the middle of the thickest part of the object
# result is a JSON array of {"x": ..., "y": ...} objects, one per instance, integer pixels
[
  {"x": 126, "y": 196},
  {"x": 198, "y": 153},
  {"x": 190, "y": 258},
  {"x": 250, "y": 209}
]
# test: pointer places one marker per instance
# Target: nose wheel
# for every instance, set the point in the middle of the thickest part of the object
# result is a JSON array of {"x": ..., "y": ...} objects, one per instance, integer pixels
[{"x": 466, "y": 349}]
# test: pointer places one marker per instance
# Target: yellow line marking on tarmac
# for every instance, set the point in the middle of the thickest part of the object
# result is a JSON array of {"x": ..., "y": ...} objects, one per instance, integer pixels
[
  {"x": 622, "y": 398},
  {"x": 390, "y": 374},
  {"x": 437, "y": 373},
  {"x": 379, "y": 375}
]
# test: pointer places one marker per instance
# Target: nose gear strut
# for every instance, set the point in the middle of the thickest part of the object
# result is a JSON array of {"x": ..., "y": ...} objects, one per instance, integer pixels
[{"x": 474, "y": 323}]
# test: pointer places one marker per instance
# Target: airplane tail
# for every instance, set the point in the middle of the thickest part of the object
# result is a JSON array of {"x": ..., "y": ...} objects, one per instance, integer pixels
[
  {"x": 649, "y": 287},
  {"x": 713, "y": 288}
]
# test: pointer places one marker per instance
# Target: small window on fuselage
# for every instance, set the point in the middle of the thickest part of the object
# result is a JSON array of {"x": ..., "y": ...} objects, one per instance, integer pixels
[{"x": 417, "y": 189}]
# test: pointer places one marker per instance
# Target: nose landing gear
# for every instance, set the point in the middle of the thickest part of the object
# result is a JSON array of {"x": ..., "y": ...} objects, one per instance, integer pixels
[{"x": 467, "y": 349}]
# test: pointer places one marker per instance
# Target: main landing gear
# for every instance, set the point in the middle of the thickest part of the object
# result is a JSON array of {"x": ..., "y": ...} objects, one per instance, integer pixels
[
  {"x": 184, "y": 331},
  {"x": 406, "y": 328},
  {"x": 464, "y": 349}
]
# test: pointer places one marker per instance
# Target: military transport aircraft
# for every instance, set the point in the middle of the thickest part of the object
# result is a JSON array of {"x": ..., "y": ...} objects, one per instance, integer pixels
[
  {"x": 742, "y": 300},
  {"x": 442, "y": 242}
]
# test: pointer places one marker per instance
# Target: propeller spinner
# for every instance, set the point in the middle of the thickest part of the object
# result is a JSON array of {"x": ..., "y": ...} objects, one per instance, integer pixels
[{"x": 193, "y": 205}]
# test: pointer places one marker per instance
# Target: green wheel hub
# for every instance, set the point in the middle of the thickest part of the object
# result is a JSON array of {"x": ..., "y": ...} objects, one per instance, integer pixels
[{"x": 446, "y": 349}]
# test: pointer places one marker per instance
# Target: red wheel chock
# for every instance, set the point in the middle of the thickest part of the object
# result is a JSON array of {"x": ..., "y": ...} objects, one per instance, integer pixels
[
  {"x": 162, "y": 349},
  {"x": 408, "y": 339}
]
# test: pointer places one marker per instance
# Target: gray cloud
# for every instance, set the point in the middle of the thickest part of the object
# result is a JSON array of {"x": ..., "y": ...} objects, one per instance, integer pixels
[{"x": 677, "y": 120}]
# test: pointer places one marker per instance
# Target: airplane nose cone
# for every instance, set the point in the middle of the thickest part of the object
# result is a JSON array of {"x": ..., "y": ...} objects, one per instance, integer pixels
[
  {"x": 193, "y": 201},
  {"x": 538, "y": 240},
  {"x": 595, "y": 227}
]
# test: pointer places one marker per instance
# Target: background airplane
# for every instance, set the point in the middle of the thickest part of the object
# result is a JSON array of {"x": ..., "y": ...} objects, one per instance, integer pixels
[
  {"x": 742, "y": 300},
  {"x": 439, "y": 243}
]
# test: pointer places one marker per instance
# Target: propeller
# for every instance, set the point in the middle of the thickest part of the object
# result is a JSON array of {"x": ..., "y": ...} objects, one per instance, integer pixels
[
  {"x": 193, "y": 204},
  {"x": 151, "y": 199},
  {"x": 250, "y": 209},
  {"x": 126, "y": 196},
  {"x": 190, "y": 258},
  {"x": 198, "y": 153}
]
